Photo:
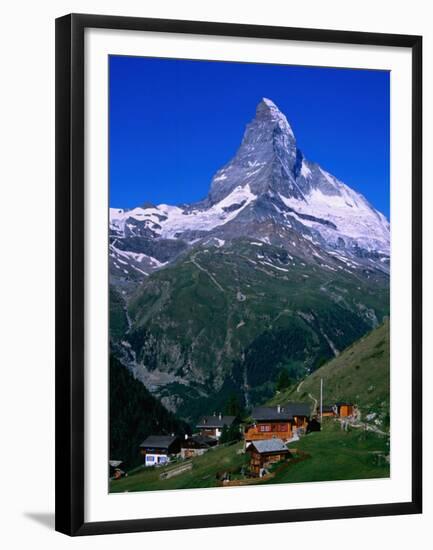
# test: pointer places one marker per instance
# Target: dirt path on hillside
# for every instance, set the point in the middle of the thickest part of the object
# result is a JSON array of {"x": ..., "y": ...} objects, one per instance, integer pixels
[
  {"x": 315, "y": 401},
  {"x": 368, "y": 427},
  {"x": 298, "y": 389},
  {"x": 211, "y": 277}
]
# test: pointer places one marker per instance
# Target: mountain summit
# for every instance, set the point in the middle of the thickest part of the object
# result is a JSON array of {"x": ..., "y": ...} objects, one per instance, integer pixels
[{"x": 266, "y": 159}]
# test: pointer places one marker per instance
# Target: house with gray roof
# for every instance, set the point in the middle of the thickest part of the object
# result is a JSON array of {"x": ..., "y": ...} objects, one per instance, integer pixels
[
  {"x": 157, "y": 449},
  {"x": 212, "y": 426},
  {"x": 288, "y": 411},
  {"x": 263, "y": 453}
]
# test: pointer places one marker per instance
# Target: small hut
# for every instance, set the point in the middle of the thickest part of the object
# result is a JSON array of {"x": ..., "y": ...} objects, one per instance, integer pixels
[{"x": 344, "y": 409}]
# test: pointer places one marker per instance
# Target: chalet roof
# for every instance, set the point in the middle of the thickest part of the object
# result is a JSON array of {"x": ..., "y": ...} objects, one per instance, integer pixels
[
  {"x": 339, "y": 403},
  {"x": 327, "y": 408},
  {"x": 271, "y": 413},
  {"x": 299, "y": 409},
  {"x": 215, "y": 421},
  {"x": 159, "y": 441},
  {"x": 282, "y": 413},
  {"x": 202, "y": 441},
  {"x": 274, "y": 445}
]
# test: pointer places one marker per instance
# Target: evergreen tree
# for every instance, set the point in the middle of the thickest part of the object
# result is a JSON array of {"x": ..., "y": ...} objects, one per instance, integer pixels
[
  {"x": 233, "y": 407},
  {"x": 283, "y": 380},
  {"x": 229, "y": 434},
  {"x": 134, "y": 415}
]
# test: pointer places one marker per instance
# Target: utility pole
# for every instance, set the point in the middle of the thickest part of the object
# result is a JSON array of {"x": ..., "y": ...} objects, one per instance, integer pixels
[{"x": 321, "y": 399}]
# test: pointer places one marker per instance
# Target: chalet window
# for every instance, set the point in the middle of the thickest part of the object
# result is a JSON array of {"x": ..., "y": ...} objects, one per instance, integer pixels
[
  {"x": 282, "y": 427},
  {"x": 264, "y": 428},
  {"x": 150, "y": 458}
]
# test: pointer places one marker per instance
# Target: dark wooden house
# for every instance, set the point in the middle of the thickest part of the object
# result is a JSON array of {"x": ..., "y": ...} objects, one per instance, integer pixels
[
  {"x": 212, "y": 426},
  {"x": 196, "y": 445},
  {"x": 157, "y": 449},
  {"x": 265, "y": 452}
]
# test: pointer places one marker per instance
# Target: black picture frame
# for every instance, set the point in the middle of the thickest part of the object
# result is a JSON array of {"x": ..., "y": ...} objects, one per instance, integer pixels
[{"x": 70, "y": 283}]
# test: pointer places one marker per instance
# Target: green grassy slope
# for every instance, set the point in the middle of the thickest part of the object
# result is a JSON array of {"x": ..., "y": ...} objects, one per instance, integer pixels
[
  {"x": 337, "y": 455},
  {"x": 334, "y": 455},
  {"x": 360, "y": 375},
  {"x": 203, "y": 473},
  {"x": 118, "y": 320}
]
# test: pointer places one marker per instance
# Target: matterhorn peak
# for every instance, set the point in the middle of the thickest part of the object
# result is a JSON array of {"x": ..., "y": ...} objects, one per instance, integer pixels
[
  {"x": 266, "y": 107},
  {"x": 268, "y": 104},
  {"x": 267, "y": 110},
  {"x": 266, "y": 156},
  {"x": 269, "y": 125}
]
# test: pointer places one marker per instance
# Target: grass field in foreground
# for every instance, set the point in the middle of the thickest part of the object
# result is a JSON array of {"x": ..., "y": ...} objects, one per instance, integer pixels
[
  {"x": 335, "y": 455},
  {"x": 202, "y": 474}
]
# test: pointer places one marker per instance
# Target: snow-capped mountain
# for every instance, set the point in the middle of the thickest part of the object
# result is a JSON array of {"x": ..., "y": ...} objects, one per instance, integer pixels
[
  {"x": 281, "y": 264},
  {"x": 268, "y": 191}
]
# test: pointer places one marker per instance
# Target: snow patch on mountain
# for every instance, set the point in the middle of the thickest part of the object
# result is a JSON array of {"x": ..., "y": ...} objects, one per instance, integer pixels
[
  {"x": 171, "y": 221},
  {"x": 355, "y": 219},
  {"x": 305, "y": 170}
]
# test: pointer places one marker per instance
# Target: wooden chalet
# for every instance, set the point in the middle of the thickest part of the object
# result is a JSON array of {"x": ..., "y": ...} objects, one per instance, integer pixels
[
  {"x": 265, "y": 452},
  {"x": 344, "y": 409},
  {"x": 196, "y": 445},
  {"x": 157, "y": 449},
  {"x": 212, "y": 426},
  {"x": 280, "y": 421}
]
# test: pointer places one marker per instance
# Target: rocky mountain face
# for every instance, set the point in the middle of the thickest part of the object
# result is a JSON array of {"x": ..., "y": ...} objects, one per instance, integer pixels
[{"x": 280, "y": 266}]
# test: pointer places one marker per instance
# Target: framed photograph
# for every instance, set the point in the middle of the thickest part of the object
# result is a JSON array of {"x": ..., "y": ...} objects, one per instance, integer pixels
[{"x": 238, "y": 274}]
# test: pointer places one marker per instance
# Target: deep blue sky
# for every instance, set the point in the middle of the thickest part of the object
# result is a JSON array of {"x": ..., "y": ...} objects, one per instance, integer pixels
[{"x": 173, "y": 123}]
